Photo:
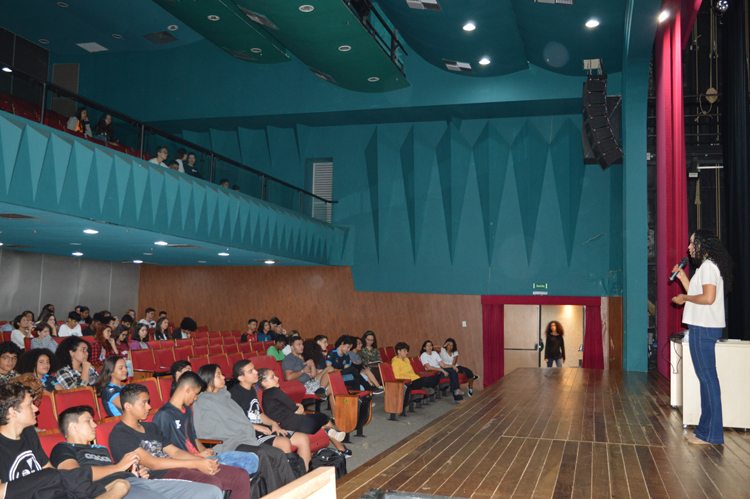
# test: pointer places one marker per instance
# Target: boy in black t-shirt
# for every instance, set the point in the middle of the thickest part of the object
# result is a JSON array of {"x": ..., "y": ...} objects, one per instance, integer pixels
[
  {"x": 25, "y": 470},
  {"x": 79, "y": 429}
]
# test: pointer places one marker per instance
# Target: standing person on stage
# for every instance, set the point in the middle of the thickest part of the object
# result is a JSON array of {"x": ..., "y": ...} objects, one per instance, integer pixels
[
  {"x": 554, "y": 351},
  {"x": 704, "y": 315}
]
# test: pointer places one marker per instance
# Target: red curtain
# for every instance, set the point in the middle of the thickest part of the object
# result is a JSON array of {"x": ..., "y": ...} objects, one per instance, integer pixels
[
  {"x": 493, "y": 317},
  {"x": 671, "y": 177},
  {"x": 593, "y": 346}
]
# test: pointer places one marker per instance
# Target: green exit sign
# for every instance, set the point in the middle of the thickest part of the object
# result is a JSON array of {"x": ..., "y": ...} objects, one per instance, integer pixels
[{"x": 540, "y": 285}]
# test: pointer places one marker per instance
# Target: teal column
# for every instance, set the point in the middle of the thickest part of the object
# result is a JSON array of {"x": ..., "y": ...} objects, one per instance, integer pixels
[{"x": 639, "y": 39}]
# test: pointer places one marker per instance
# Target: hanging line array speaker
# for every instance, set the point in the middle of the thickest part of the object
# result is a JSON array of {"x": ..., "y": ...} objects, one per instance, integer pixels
[{"x": 597, "y": 129}]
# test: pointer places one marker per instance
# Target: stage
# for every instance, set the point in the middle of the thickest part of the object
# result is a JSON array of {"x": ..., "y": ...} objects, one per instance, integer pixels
[{"x": 567, "y": 433}]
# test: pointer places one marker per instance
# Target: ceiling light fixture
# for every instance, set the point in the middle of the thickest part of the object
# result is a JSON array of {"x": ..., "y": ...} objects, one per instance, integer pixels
[
  {"x": 172, "y": 27},
  {"x": 720, "y": 7},
  {"x": 592, "y": 23},
  {"x": 306, "y": 8},
  {"x": 223, "y": 254},
  {"x": 484, "y": 61},
  {"x": 663, "y": 16},
  {"x": 147, "y": 254},
  {"x": 116, "y": 36},
  {"x": 161, "y": 243},
  {"x": 77, "y": 253},
  {"x": 270, "y": 262},
  {"x": 1, "y": 244},
  {"x": 7, "y": 69},
  {"x": 90, "y": 231},
  {"x": 201, "y": 261},
  {"x": 137, "y": 261},
  {"x": 373, "y": 79},
  {"x": 43, "y": 41},
  {"x": 469, "y": 27},
  {"x": 345, "y": 48},
  {"x": 256, "y": 50},
  {"x": 75, "y": 244},
  {"x": 62, "y": 4},
  {"x": 213, "y": 17}
]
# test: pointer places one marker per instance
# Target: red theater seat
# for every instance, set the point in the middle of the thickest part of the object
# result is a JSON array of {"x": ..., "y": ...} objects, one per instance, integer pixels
[
  {"x": 65, "y": 399},
  {"x": 49, "y": 439}
]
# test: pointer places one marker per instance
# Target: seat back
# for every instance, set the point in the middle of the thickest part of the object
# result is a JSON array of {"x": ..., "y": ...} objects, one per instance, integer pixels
[
  {"x": 270, "y": 363},
  {"x": 416, "y": 364},
  {"x": 391, "y": 351},
  {"x": 245, "y": 347},
  {"x": 166, "y": 343},
  {"x": 234, "y": 358},
  {"x": 165, "y": 386},
  {"x": 337, "y": 384},
  {"x": 186, "y": 342},
  {"x": 198, "y": 362},
  {"x": 143, "y": 360},
  {"x": 27, "y": 344},
  {"x": 214, "y": 349},
  {"x": 386, "y": 372},
  {"x": 202, "y": 329},
  {"x": 384, "y": 354},
  {"x": 104, "y": 428},
  {"x": 223, "y": 362},
  {"x": 49, "y": 439},
  {"x": 153, "y": 344},
  {"x": 200, "y": 341},
  {"x": 65, "y": 399},
  {"x": 182, "y": 353},
  {"x": 267, "y": 345},
  {"x": 294, "y": 389},
  {"x": 228, "y": 340},
  {"x": 46, "y": 418},
  {"x": 257, "y": 346},
  {"x": 164, "y": 358},
  {"x": 200, "y": 350},
  {"x": 153, "y": 392},
  {"x": 231, "y": 348}
]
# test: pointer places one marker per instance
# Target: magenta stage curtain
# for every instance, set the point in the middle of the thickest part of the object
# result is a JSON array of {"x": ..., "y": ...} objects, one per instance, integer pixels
[
  {"x": 593, "y": 346},
  {"x": 493, "y": 316}
]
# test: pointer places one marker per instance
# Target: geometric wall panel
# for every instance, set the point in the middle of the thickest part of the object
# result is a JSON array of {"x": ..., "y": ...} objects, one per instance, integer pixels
[{"x": 453, "y": 156}]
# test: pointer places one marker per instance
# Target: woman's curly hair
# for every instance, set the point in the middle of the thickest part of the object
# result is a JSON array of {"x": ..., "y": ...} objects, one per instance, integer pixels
[
  {"x": 312, "y": 351},
  {"x": 27, "y": 361},
  {"x": 708, "y": 246}
]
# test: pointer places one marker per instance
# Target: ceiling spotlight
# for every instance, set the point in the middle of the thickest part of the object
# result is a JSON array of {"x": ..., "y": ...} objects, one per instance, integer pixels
[
  {"x": 256, "y": 50},
  {"x": 7, "y": 69},
  {"x": 43, "y": 41},
  {"x": 213, "y": 18},
  {"x": 373, "y": 79},
  {"x": 306, "y": 8},
  {"x": 90, "y": 231},
  {"x": 147, "y": 254},
  {"x": 469, "y": 27},
  {"x": 663, "y": 16},
  {"x": 75, "y": 244},
  {"x": 62, "y": 4},
  {"x": 137, "y": 261},
  {"x": 1, "y": 244},
  {"x": 592, "y": 23},
  {"x": 77, "y": 253},
  {"x": 270, "y": 262},
  {"x": 161, "y": 243},
  {"x": 223, "y": 254},
  {"x": 116, "y": 36},
  {"x": 345, "y": 48},
  {"x": 201, "y": 261},
  {"x": 172, "y": 27},
  {"x": 720, "y": 7},
  {"x": 484, "y": 61}
]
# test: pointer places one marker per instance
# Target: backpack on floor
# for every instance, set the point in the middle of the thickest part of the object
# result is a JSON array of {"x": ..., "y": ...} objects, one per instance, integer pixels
[
  {"x": 296, "y": 463},
  {"x": 329, "y": 457}
]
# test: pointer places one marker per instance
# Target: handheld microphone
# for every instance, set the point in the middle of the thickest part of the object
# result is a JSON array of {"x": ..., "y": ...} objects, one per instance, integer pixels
[{"x": 683, "y": 262}]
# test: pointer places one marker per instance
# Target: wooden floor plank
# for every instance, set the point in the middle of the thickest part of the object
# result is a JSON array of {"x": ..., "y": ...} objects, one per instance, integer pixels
[
  {"x": 509, "y": 483},
  {"x": 582, "y": 482},
  {"x": 651, "y": 475},
  {"x": 599, "y": 472},
  {"x": 533, "y": 470},
  {"x": 636, "y": 481},
  {"x": 618, "y": 481},
  {"x": 496, "y": 473},
  {"x": 564, "y": 485},
  {"x": 545, "y": 486}
]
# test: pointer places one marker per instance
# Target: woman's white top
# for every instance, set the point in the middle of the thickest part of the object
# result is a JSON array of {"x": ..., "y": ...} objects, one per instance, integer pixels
[
  {"x": 447, "y": 357},
  {"x": 431, "y": 359},
  {"x": 18, "y": 337},
  {"x": 705, "y": 315}
]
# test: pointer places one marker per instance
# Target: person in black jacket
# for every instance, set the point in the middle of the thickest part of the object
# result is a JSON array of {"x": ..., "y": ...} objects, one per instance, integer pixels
[{"x": 554, "y": 351}]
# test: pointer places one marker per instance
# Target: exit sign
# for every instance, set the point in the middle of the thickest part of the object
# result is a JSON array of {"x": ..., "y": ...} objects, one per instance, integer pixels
[{"x": 540, "y": 285}]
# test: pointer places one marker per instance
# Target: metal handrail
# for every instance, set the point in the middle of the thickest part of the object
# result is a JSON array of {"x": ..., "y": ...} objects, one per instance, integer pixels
[
  {"x": 389, "y": 49},
  {"x": 49, "y": 86}
]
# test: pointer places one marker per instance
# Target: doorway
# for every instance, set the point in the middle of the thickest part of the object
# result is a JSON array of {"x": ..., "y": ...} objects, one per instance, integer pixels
[{"x": 525, "y": 327}]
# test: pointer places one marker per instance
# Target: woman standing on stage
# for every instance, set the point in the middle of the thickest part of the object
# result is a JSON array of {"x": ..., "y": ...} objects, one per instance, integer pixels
[
  {"x": 554, "y": 351},
  {"x": 704, "y": 315}
]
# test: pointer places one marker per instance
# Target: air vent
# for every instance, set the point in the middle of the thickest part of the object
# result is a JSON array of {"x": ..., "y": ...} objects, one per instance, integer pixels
[
  {"x": 161, "y": 37},
  {"x": 258, "y": 18},
  {"x": 464, "y": 67},
  {"x": 239, "y": 54},
  {"x": 92, "y": 47},
  {"x": 182, "y": 246},
  {"x": 15, "y": 246},
  {"x": 17, "y": 216},
  {"x": 424, "y": 4},
  {"x": 324, "y": 76},
  {"x": 564, "y": 2}
]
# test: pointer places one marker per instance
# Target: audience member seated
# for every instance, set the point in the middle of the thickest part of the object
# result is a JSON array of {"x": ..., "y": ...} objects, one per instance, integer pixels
[
  {"x": 75, "y": 369},
  {"x": 252, "y": 332},
  {"x": 358, "y": 365},
  {"x": 149, "y": 318},
  {"x": 276, "y": 329},
  {"x": 240, "y": 419},
  {"x": 44, "y": 338},
  {"x": 279, "y": 407},
  {"x": 111, "y": 380},
  {"x": 316, "y": 350},
  {"x": 72, "y": 327},
  {"x": 159, "y": 456},
  {"x": 84, "y": 312},
  {"x": 21, "y": 331},
  {"x": 264, "y": 331},
  {"x": 9, "y": 353},
  {"x": 122, "y": 342},
  {"x": 127, "y": 321},
  {"x": 432, "y": 362},
  {"x": 370, "y": 354},
  {"x": 402, "y": 370},
  {"x": 173, "y": 165},
  {"x": 449, "y": 356},
  {"x": 339, "y": 359},
  {"x": 179, "y": 157},
  {"x": 190, "y": 168},
  {"x": 79, "y": 429},
  {"x": 25, "y": 470},
  {"x": 304, "y": 371},
  {"x": 48, "y": 318},
  {"x": 139, "y": 339},
  {"x": 275, "y": 350},
  {"x": 224, "y": 183},
  {"x": 186, "y": 329},
  {"x": 94, "y": 323},
  {"x": 161, "y": 331},
  {"x": 161, "y": 156},
  {"x": 47, "y": 309},
  {"x": 103, "y": 346},
  {"x": 80, "y": 122},
  {"x": 178, "y": 369},
  {"x": 40, "y": 362},
  {"x": 104, "y": 129}
]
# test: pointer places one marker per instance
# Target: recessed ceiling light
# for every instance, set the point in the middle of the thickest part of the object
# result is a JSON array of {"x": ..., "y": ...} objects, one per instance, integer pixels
[
  {"x": 201, "y": 261},
  {"x": 1, "y": 244},
  {"x": 137, "y": 261},
  {"x": 213, "y": 18},
  {"x": 147, "y": 254},
  {"x": 172, "y": 27},
  {"x": 270, "y": 262},
  {"x": 306, "y": 8},
  {"x": 484, "y": 61},
  {"x": 592, "y": 23},
  {"x": 116, "y": 36},
  {"x": 90, "y": 231},
  {"x": 469, "y": 27},
  {"x": 75, "y": 244},
  {"x": 373, "y": 79},
  {"x": 77, "y": 253},
  {"x": 7, "y": 69},
  {"x": 43, "y": 41},
  {"x": 223, "y": 254},
  {"x": 62, "y": 4},
  {"x": 663, "y": 16},
  {"x": 256, "y": 50},
  {"x": 161, "y": 243},
  {"x": 345, "y": 48}
]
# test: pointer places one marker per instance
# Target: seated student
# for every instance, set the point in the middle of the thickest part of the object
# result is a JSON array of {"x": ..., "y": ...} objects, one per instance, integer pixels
[
  {"x": 25, "y": 470},
  {"x": 121, "y": 341},
  {"x": 217, "y": 416},
  {"x": 175, "y": 419},
  {"x": 295, "y": 367},
  {"x": 149, "y": 318},
  {"x": 75, "y": 369},
  {"x": 161, "y": 331},
  {"x": 80, "y": 122},
  {"x": 161, "y": 156},
  {"x": 276, "y": 329},
  {"x": 186, "y": 329},
  {"x": 127, "y": 321},
  {"x": 113, "y": 376},
  {"x": 173, "y": 165},
  {"x": 190, "y": 166},
  {"x": 178, "y": 369},
  {"x": 79, "y": 429},
  {"x": 94, "y": 324},
  {"x": 139, "y": 339},
  {"x": 318, "y": 355},
  {"x": 357, "y": 364},
  {"x": 370, "y": 353},
  {"x": 9, "y": 353},
  {"x": 402, "y": 370},
  {"x": 44, "y": 338},
  {"x": 179, "y": 158},
  {"x": 72, "y": 327},
  {"x": 224, "y": 183},
  {"x": 50, "y": 320},
  {"x": 21, "y": 331},
  {"x": 162, "y": 314},
  {"x": 39, "y": 362},
  {"x": 264, "y": 331},
  {"x": 84, "y": 313},
  {"x": 339, "y": 359},
  {"x": 449, "y": 356},
  {"x": 103, "y": 346},
  {"x": 159, "y": 457},
  {"x": 104, "y": 129},
  {"x": 252, "y": 332},
  {"x": 275, "y": 350},
  {"x": 432, "y": 362},
  {"x": 280, "y": 408}
]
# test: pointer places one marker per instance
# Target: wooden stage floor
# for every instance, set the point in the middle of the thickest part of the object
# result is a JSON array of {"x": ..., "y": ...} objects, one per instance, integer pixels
[{"x": 560, "y": 433}]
